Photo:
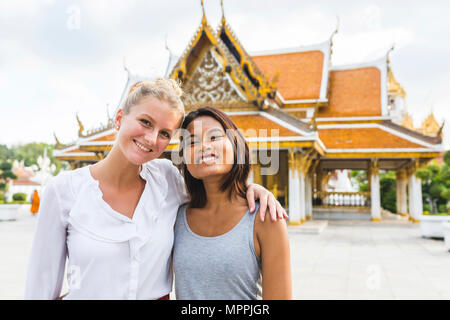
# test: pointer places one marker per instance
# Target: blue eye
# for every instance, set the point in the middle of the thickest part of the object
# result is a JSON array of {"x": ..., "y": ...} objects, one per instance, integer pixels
[
  {"x": 146, "y": 122},
  {"x": 165, "y": 135}
]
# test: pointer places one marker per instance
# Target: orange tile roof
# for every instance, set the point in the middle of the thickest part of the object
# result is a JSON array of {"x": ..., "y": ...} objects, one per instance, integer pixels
[
  {"x": 300, "y": 73},
  {"x": 362, "y": 138},
  {"x": 245, "y": 123},
  {"x": 354, "y": 93}
]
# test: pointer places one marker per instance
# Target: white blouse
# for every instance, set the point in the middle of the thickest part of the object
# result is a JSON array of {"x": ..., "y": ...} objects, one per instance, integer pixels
[{"x": 110, "y": 256}]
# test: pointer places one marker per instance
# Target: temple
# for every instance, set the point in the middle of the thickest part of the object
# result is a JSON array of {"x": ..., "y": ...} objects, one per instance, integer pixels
[{"x": 303, "y": 118}]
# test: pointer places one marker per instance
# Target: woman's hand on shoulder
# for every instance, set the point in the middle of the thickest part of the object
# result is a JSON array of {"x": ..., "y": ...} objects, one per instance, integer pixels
[{"x": 266, "y": 201}]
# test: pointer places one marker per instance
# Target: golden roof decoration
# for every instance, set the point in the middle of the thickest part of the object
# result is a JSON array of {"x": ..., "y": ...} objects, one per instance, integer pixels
[
  {"x": 429, "y": 126},
  {"x": 394, "y": 87},
  {"x": 235, "y": 61},
  {"x": 407, "y": 121},
  {"x": 246, "y": 63},
  {"x": 179, "y": 72},
  {"x": 80, "y": 127}
]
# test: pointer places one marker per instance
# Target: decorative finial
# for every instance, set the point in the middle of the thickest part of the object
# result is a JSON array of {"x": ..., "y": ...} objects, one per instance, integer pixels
[
  {"x": 203, "y": 11},
  {"x": 223, "y": 13},
  {"x": 439, "y": 133},
  {"x": 167, "y": 47},
  {"x": 125, "y": 67},
  {"x": 108, "y": 115},
  {"x": 57, "y": 144},
  {"x": 337, "y": 28},
  {"x": 80, "y": 126},
  {"x": 275, "y": 78},
  {"x": 388, "y": 58},
  {"x": 166, "y": 74}
]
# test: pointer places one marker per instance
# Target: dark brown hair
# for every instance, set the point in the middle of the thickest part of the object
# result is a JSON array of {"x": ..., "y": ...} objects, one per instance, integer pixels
[{"x": 235, "y": 182}]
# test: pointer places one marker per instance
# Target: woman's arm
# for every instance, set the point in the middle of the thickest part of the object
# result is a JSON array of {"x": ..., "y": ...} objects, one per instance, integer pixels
[
  {"x": 48, "y": 254},
  {"x": 266, "y": 201},
  {"x": 272, "y": 245}
]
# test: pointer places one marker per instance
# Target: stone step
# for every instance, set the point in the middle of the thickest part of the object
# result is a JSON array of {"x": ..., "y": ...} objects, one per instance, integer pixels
[{"x": 310, "y": 227}]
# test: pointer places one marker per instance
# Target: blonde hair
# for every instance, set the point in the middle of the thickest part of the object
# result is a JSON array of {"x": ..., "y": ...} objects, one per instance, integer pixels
[{"x": 167, "y": 90}]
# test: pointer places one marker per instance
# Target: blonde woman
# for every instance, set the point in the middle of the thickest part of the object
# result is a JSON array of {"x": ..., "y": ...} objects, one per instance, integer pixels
[{"x": 114, "y": 220}]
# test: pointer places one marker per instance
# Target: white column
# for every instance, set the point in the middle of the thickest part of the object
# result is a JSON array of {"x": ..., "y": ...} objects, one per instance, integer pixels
[
  {"x": 411, "y": 203},
  {"x": 415, "y": 198},
  {"x": 419, "y": 199},
  {"x": 302, "y": 198},
  {"x": 402, "y": 205},
  {"x": 294, "y": 190},
  {"x": 308, "y": 196},
  {"x": 375, "y": 195}
]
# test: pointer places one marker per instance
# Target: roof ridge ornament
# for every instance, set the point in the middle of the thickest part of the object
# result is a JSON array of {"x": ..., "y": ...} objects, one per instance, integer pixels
[
  {"x": 171, "y": 55},
  {"x": 125, "y": 67},
  {"x": 223, "y": 13},
  {"x": 203, "y": 12},
  {"x": 58, "y": 144},
  {"x": 388, "y": 54},
  {"x": 338, "y": 23},
  {"x": 80, "y": 126}
]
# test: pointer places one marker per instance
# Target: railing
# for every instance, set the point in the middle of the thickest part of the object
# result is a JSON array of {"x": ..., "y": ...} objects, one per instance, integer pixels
[{"x": 341, "y": 199}]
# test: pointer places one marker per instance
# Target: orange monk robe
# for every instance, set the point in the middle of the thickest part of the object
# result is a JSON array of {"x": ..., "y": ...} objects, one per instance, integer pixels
[{"x": 35, "y": 203}]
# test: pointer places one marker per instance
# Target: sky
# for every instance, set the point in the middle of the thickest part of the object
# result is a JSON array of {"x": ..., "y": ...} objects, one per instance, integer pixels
[{"x": 62, "y": 58}]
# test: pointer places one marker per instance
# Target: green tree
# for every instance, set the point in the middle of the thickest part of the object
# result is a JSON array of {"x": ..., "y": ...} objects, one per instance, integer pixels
[
  {"x": 29, "y": 154},
  {"x": 361, "y": 177},
  {"x": 5, "y": 174},
  {"x": 436, "y": 184},
  {"x": 388, "y": 187},
  {"x": 6, "y": 171}
]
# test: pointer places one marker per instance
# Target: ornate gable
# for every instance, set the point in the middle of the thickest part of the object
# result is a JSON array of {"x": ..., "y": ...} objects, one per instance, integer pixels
[
  {"x": 216, "y": 70},
  {"x": 210, "y": 84}
]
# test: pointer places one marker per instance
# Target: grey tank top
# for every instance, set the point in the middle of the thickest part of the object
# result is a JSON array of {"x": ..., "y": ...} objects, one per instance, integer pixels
[{"x": 225, "y": 267}]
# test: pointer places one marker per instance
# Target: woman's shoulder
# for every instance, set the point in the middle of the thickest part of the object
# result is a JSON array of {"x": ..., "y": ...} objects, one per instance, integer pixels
[{"x": 268, "y": 226}]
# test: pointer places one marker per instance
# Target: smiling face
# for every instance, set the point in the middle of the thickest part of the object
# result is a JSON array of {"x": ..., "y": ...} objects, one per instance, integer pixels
[
  {"x": 145, "y": 131},
  {"x": 208, "y": 152}
]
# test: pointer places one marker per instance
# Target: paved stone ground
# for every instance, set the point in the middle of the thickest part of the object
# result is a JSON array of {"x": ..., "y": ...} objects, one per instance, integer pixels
[{"x": 348, "y": 260}]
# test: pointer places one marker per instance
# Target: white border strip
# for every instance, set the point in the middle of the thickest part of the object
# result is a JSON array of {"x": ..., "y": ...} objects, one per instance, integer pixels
[
  {"x": 74, "y": 154},
  {"x": 351, "y": 118},
  {"x": 300, "y": 101},
  {"x": 273, "y": 119},
  {"x": 97, "y": 143},
  {"x": 95, "y": 136},
  {"x": 319, "y": 46},
  {"x": 394, "y": 150},
  {"x": 287, "y": 125}
]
